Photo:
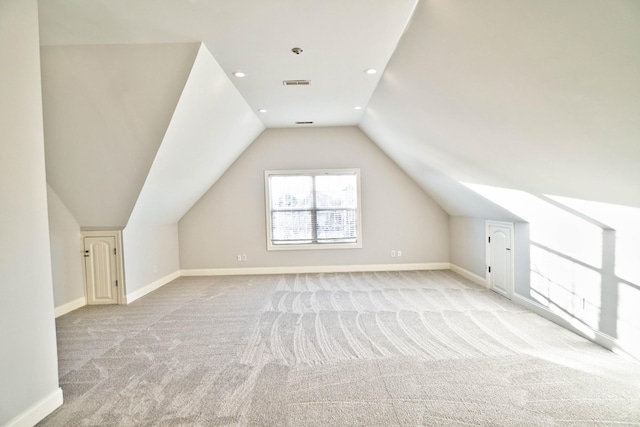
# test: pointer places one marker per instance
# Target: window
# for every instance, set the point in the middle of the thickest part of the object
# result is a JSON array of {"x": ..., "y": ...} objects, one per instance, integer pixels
[{"x": 316, "y": 209}]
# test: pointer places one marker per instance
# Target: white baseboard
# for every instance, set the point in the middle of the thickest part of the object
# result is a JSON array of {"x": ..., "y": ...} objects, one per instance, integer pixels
[
  {"x": 152, "y": 287},
  {"x": 70, "y": 306},
  {"x": 38, "y": 411},
  {"x": 469, "y": 275},
  {"x": 314, "y": 269}
]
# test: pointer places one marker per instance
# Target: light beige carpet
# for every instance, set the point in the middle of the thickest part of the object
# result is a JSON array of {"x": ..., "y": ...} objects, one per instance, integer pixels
[{"x": 369, "y": 349}]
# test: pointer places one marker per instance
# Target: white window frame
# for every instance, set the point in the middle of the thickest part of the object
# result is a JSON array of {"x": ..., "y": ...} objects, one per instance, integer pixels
[{"x": 306, "y": 246}]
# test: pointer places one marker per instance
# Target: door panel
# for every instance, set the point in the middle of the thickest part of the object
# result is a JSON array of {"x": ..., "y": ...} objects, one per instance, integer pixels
[
  {"x": 100, "y": 267},
  {"x": 500, "y": 258}
]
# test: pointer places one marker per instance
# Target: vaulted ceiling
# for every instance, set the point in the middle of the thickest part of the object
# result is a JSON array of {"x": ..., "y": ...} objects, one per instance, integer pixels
[
  {"x": 339, "y": 41},
  {"x": 542, "y": 96},
  {"x": 106, "y": 111},
  {"x": 537, "y": 95}
]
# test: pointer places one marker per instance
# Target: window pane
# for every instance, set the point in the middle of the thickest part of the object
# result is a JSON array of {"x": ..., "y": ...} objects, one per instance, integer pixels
[
  {"x": 291, "y": 226},
  {"x": 291, "y": 192},
  {"x": 336, "y": 191},
  {"x": 315, "y": 208},
  {"x": 336, "y": 225}
]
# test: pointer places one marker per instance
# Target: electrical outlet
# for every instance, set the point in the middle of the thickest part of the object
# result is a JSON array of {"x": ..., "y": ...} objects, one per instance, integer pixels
[
  {"x": 244, "y": 257},
  {"x": 239, "y": 257},
  {"x": 393, "y": 253},
  {"x": 399, "y": 253}
]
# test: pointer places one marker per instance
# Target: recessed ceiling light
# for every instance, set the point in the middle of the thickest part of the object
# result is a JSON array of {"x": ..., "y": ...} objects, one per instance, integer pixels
[
  {"x": 357, "y": 107},
  {"x": 370, "y": 71},
  {"x": 262, "y": 110},
  {"x": 239, "y": 74}
]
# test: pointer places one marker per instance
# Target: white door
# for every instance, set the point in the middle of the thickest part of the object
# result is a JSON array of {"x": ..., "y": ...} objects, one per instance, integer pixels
[
  {"x": 500, "y": 257},
  {"x": 100, "y": 268}
]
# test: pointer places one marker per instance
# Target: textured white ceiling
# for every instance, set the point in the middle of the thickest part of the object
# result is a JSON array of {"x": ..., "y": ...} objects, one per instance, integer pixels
[
  {"x": 537, "y": 95},
  {"x": 340, "y": 40},
  {"x": 211, "y": 126},
  {"x": 106, "y": 110},
  {"x": 542, "y": 96}
]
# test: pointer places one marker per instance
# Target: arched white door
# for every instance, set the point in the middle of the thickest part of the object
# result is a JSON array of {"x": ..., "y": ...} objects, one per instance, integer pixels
[
  {"x": 100, "y": 270},
  {"x": 500, "y": 257}
]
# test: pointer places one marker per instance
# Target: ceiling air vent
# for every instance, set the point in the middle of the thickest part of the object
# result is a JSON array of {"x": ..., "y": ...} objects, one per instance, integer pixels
[
  {"x": 304, "y": 123},
  {"x": 296, "y": 82}
]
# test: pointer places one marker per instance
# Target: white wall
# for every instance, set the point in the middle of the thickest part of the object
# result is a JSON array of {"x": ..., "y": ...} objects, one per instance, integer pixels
[
  {"x": 151, "y": 254},
  {"x": 522, "y": 259},
  {"x": 66, "y": 252},
  {"x": 28, "y": 361},
  {"x": 596, "y": 297},
  {"x": 467, "y": 244},
  {"x": 230, "y": 217}
]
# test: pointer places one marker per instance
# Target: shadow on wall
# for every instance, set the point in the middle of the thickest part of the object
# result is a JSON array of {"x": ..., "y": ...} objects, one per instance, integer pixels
[{"x": 584, "y": 261}]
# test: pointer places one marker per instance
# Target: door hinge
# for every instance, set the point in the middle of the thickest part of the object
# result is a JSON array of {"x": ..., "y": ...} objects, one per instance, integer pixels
[
  {"x": 114, "y": 251},
  {"x": 489, "y": 269},
  {"x": 489, "y": 239},
  {"x": 116, "y": 283}
]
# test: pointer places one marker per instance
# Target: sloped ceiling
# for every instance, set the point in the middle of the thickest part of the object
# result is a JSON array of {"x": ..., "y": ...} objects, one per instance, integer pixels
[
  {"x": 211, "y": 126},
  {"x": 537, "y": 95},
  {"x": 542, "y": 96},
  {"x": 340, "y": 39},
  {"x": 106, "y": 110}
]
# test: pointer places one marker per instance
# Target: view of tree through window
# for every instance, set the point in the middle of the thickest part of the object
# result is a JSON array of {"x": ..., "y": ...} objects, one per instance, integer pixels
[{"x": 313, "y": 208}]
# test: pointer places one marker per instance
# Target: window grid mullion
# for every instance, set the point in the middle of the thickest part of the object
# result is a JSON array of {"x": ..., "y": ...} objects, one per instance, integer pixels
[
  {"x": 340, "y": 208},
  {"x": 314, "y": 212}
]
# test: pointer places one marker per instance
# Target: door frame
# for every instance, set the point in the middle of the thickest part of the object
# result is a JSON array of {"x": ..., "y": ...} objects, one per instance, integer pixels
[
  {"x": 117, "y": 234},
  {"x": 511, "y": 226}
]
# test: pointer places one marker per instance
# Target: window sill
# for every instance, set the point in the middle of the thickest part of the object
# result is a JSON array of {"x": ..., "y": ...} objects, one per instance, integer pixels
[{"x": 316, "y": 246}]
